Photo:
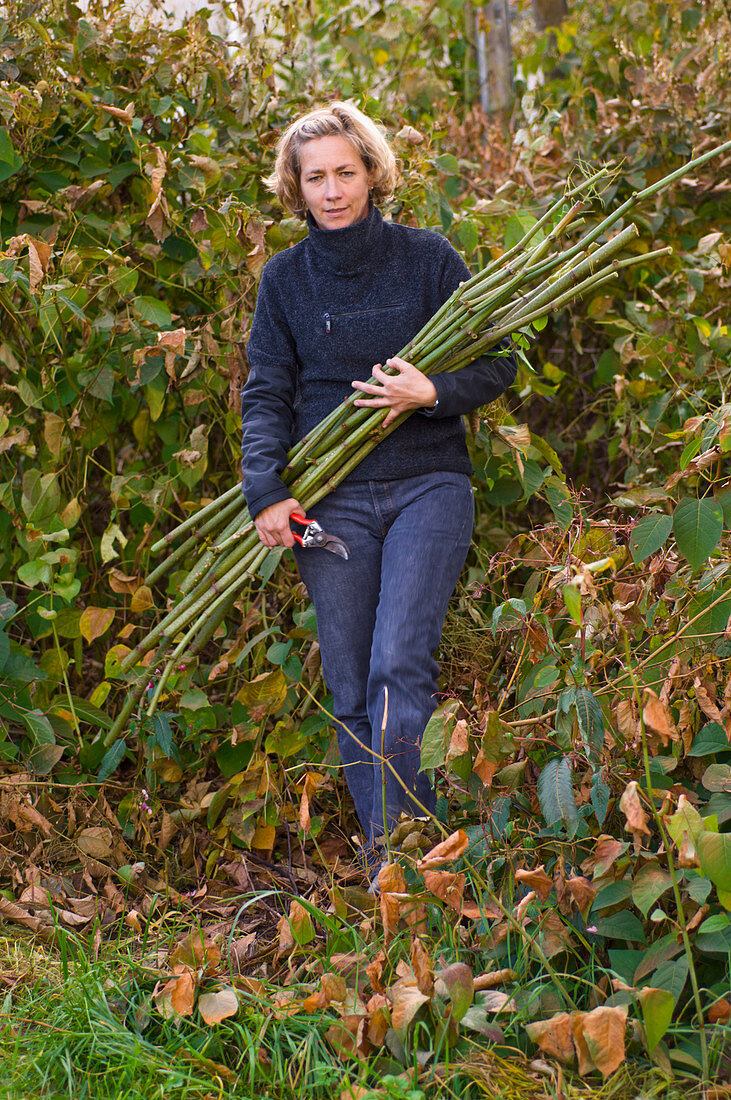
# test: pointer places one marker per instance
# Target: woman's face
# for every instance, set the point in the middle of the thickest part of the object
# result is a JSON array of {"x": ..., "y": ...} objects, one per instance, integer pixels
[{"x": 334, "y": 182}]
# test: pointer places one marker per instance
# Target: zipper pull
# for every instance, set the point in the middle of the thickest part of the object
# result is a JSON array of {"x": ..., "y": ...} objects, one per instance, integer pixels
[{"x": 328, "y": 324}]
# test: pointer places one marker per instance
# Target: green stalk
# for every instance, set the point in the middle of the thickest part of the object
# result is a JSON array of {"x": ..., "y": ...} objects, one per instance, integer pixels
[
  {"x": 234, "y": 507},
  {"x": 195, "y": 519}
]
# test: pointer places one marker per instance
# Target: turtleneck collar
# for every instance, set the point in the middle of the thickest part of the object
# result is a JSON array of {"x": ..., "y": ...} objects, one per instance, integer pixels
[{"x": 346, "y": 251}]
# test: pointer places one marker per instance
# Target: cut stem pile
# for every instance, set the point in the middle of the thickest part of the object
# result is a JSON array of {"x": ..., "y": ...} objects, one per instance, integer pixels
[{"x": 525, "y": 284}]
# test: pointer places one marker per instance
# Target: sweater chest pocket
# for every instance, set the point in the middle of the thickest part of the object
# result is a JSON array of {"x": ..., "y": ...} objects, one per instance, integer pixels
[{"x": 341, "y": 323}]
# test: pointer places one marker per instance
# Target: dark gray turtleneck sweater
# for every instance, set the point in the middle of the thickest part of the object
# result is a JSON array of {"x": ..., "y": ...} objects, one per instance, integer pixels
[{"x": 328, "y": 309}]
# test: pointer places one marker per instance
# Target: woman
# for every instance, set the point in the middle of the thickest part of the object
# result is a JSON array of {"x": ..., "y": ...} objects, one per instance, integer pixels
[{"x": 330, "y": 311}]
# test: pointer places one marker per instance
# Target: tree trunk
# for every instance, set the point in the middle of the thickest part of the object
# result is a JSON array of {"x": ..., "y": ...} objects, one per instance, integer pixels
[
  {"x": 549, "y": 13},
  {"x": 494, "y": 56}
]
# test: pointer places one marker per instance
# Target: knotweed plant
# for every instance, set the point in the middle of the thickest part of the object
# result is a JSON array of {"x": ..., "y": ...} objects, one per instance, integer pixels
[{"x": 539, "y": 275}]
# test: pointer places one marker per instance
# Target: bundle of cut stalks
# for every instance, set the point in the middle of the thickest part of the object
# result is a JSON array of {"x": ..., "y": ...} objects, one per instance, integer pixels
[{"x": 522, "y": 286}]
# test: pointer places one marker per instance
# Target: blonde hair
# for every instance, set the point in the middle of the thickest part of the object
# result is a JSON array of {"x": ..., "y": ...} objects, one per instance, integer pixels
[{"x": 340, "y": 119}]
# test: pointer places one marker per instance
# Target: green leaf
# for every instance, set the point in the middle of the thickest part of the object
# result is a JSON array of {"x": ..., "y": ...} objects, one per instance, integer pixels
[
  {"x": 717, "y": 777},
  {"x": 111, "y": 759},
  {"x": 39, "y": 727},
  {"x": 710, "y": 740},
  {"x": 600, "y": 795},
  {"x": 649, "y": 534},
  {"x": 650, "y": 883},
  {"x": 591, "y": 721},
  {"x": 88, "y": 712},
  {"x": 162, "y": 732},
  {"x": 233, "y": 759},
  {"x": 10, "y": 162},
  {"x": 685, "y": 820},
  {"x": 572, "y": 599},
  {"x": 517, "y": 227},
  {"x": 153, "y": 311},
  {"x": 455, "y": 981},
  {"x": 672, "y": 975},
  {"x": 511, "y": 609},
  {"x": 559, "y": 499},
  {"x": 697, "y": 525},
  {"x": 4, "y": 649},
  {"x": 7, "y": 609},
  {"x": 657, "y": 1012},
  {"x": 714, "y": 853},
  {"x": 623, "y": 925},
  {"x": 555, "y": 792},
  {"x": 436, "y": 735}
]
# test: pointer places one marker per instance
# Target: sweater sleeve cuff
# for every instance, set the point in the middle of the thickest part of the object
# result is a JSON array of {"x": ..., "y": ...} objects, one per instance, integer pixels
[
  {"x": 441, "y": 385},
  {"x": 259, "y": 503}
]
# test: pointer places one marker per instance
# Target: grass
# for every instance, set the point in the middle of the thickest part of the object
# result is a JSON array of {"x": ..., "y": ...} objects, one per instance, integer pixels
[{"x": 78, "y": 1027}]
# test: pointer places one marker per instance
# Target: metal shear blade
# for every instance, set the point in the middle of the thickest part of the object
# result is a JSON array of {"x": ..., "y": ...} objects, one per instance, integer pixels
[{"x": 313, "y": 537}]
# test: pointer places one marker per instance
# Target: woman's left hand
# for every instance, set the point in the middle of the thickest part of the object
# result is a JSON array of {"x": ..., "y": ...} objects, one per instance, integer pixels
[{"x": 407, "y": 389}]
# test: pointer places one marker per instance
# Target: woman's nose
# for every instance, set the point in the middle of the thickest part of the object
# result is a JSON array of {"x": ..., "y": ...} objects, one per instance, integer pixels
[{"x": 332, "y": 185}]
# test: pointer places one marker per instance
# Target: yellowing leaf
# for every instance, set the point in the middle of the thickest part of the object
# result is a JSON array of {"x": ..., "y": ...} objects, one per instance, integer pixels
[
  {"x": 658, "y": 718},
  {"x": 300, "y": 922},
  {"x": 631, "y": 806},
  {"x": 95, "y": 621},
  {"x": 406, "y": 1000},
  {"x": 112, "y": 534},
  {"x": 657, "y": 1012},
  {"x": 553, "y": 1036},
  {"x": 381, "y": 57},
  {"x": 218, "y": 1006},
  {"x": 599, "y": 1038},
  {"x": 141, "y": 600}
]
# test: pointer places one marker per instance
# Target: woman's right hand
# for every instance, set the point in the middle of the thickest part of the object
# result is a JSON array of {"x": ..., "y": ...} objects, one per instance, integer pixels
[{"x": 272, "y": 523}]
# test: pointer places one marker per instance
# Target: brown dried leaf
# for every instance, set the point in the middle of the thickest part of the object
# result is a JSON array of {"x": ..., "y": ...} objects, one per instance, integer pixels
[
  {"x": 493, "y": 979},
  {"x": 657, "y": 717},
  {"x": 406, "y": 1000},
  {"x": 123, "y": 583},
  {"x": 374, "y": 970},
  {"x": 523, "y": 905},
  {"x": 631, "y": 806},
  {"x": 536, "y": 880},
  {"x": 409, "y": 136},
  {"x": 720, "y": 1012},
  {"x": 96, "y": 841},
  {"x": 459, "y": 742},
  {"x": 485, "y": 768},
  {"x": 332, "y": 988},
  {"x": 177, "y": 996},
  {"x": 218, "y": 1006},
  {"x": 446, "y": 886},
  {"x": 10, "y": 911},
  {"x": 422, "y": 967},
  {"x": 626, "y": 719},
  {"x": 553, "y": 1036},
  {"x": 312, "y": 781},
  {"x": 706, "y": 698},
  {"x": 446, "y": 851},
  {"x": 124, "y": 114},
  {"x": 582, "y": 893},
  {"x": 600, "y": 1035},
  {"x": 391, "y": 882},
  {"x": 197, "y": 951}
]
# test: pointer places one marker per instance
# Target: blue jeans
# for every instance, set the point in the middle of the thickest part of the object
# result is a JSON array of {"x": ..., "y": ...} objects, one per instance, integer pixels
[{"x": 379, "y": 619}]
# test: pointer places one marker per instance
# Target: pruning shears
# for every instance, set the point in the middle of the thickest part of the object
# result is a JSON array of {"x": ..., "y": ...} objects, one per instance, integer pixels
[{"x": 313, "y": 536}]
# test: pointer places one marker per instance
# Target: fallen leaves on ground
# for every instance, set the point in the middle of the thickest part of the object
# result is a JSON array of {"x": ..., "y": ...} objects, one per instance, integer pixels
[{"x": 596, "y": 1038}]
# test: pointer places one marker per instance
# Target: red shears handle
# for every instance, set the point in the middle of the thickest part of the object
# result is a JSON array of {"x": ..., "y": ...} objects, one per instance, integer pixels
[{"x": 297, "y": 518}]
